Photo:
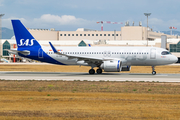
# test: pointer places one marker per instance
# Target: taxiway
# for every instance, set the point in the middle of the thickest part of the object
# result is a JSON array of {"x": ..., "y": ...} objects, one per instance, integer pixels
[{"x": 85, "y": 76}]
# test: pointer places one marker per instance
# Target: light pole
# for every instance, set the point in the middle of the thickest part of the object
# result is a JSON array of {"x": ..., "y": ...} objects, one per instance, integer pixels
[
  {"x": 0, "y": 37},
  {"x": 147, "y": 14}
]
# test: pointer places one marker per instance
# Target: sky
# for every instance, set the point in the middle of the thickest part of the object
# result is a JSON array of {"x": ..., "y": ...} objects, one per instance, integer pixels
[{"x": 68, "y": 15}]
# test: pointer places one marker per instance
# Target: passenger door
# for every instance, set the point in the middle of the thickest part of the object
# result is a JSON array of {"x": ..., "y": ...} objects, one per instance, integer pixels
[
  {"x": 40, "y": 53},
  {"x": 153, "y": 53}
]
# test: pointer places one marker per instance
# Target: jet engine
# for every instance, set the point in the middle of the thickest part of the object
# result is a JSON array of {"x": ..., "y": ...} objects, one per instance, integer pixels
[{"x": 111, "y": 66}]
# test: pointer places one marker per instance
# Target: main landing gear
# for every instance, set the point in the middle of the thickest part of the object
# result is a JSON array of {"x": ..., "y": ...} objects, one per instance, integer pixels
[
  {"x": 92, "y": 71},
  {"x": 99, "y": 71},
  {"x": 153, "y": 70}
]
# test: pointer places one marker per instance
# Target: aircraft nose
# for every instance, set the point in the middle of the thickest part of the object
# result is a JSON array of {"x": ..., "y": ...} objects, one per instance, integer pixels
[{"x": 174, "y": 59}]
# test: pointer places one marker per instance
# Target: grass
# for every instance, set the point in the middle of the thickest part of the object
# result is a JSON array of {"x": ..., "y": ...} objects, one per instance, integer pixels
[
  {"x": 88, "y": 99},
  {"x": 17, "y": 105},
  {"x": 91, "y": 86}
]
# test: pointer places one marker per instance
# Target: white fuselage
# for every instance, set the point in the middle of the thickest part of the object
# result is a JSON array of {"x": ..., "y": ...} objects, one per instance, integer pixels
[{"x": 133, "y": 56}]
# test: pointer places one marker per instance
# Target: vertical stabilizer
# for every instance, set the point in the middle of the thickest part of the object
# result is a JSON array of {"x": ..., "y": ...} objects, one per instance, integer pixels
[{"x": 23, "y": 38}]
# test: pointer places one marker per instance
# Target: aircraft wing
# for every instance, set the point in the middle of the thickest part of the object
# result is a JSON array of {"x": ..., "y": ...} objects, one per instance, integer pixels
[
  {"x": 16, "y": 52},
  {"x": 87, "y": 59}
]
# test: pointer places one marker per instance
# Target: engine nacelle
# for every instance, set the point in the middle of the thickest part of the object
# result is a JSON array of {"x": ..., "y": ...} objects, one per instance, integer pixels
[
  {"x": 111, "y": 66},
  {"x": 126, "y": 68}
]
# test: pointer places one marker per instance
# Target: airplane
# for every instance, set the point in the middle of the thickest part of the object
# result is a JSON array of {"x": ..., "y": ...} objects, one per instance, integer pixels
[{"x": 107, "y": 59}]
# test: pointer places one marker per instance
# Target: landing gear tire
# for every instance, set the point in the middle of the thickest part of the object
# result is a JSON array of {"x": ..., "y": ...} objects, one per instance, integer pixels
[
  {"x": 91, "y": 71},
  {"x": 99, "y": 71},
  {"x": 154, "y": 72}
]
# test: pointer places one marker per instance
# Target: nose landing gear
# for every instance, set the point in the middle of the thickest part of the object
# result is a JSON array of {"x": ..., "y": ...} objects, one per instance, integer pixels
[{"x": 153, "y": 70}]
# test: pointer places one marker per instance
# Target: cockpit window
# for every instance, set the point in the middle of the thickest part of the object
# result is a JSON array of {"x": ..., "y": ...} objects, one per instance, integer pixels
[{"x": 165, "y": 53}]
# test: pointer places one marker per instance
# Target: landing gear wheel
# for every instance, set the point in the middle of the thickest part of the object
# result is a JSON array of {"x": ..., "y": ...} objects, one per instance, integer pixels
[
  {"x": 154, "y": 72},
  {"x": 91, "y": 71},
  {"x": 99, "y": 71}
]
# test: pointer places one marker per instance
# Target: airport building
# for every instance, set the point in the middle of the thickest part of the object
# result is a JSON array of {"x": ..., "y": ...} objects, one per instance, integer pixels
[
  {"x": 126, "y": 33},
  {"x": 128, "y": 36}
]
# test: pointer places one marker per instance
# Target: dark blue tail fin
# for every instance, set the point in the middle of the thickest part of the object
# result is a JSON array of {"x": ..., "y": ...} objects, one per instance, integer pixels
[{"x": 23, "y": 38}]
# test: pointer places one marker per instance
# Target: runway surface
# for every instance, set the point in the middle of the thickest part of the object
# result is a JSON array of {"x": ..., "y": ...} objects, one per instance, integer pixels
[{"x": 86, "y": 76}]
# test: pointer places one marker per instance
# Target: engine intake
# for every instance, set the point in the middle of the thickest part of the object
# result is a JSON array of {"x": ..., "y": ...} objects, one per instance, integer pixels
[{"x": 111, "y": 66}]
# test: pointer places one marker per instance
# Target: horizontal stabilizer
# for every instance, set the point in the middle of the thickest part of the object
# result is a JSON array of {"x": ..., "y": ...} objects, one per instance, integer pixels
[{"x": 25, "y": 52}]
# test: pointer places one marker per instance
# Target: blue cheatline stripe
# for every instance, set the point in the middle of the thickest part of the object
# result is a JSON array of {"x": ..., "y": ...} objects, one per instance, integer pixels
[{"x": 118, "y": 65}]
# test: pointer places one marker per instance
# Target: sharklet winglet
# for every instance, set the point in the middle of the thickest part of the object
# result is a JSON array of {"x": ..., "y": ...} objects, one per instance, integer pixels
[{"x": 53, "y": 48}]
